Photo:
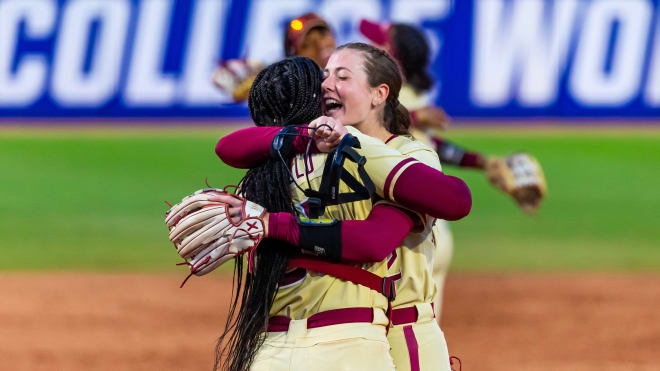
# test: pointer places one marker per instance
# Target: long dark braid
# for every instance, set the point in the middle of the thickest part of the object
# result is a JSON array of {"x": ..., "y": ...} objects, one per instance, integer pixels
[{"x": 285, "y": 93}]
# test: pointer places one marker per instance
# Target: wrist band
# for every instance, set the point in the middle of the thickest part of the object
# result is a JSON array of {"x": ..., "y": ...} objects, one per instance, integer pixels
[{"x": 321, "y": 237}]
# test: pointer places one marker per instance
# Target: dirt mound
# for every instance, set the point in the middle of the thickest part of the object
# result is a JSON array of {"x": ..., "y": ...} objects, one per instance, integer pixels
[{"x": 492, "y": 322}]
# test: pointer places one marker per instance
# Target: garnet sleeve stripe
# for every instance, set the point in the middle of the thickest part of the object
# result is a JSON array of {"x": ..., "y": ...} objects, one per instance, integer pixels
[{"x": 394, "y": 173}]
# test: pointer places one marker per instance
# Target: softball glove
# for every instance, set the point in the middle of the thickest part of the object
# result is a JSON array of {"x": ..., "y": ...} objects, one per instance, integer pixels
[
  {"x": 519, "y": 176},
  {"x": 204, "y": 234},
  {"x": 235, "y": 77}
]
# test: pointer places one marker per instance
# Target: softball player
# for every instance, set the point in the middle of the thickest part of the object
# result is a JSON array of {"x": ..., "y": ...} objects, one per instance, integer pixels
[
  {"x": 409, "y": 46},
  {"x": 306, "y": 36},
  {"x": 412, "y": 315},
  {"x": 403, "y": 314}
]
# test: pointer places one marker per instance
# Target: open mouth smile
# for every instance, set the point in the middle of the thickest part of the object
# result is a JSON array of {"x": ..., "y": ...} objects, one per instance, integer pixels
[{"x": 332, "y": 105}]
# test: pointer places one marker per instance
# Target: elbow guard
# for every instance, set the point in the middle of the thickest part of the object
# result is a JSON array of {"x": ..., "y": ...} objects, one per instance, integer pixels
[{"x": 321, "y": 237}]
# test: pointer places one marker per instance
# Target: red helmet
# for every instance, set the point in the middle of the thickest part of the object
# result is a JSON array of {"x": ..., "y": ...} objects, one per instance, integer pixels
[
  {"x": 298, "y": 28},
  {"x": 378, "y": 34}
]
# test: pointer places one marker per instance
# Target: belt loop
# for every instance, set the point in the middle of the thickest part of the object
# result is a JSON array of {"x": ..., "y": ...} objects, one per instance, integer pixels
[
  {"x": 297, "y": 329},
  {"x": 380, "y": 317},
  {"x": 424, "y": 312}
]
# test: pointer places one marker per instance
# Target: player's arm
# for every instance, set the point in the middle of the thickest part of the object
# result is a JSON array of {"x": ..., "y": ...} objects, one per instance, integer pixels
[
  {"x": 396, "y": 177},
  {"x": 411, "y": 183},
  {"x": 452, "y": 154},
  {"x": 250, "y": 147},
  {"x": 357, "y": 241},
  {"x": 432, "y": 117},
  {"x": 429, "y": 117},
  {"x": 518, "y": 175}
]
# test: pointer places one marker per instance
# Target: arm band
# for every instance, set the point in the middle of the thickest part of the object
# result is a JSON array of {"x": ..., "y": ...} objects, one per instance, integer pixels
[
  {"x": 450, "y": 153},
  {"x": 321, "y": 237}
]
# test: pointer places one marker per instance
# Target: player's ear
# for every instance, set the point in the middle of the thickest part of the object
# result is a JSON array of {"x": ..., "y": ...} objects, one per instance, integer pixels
[{"x": 379, "y": 94}]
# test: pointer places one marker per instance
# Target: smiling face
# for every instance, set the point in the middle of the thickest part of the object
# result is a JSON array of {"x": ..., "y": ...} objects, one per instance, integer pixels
[{"x": 347, "y": 95}]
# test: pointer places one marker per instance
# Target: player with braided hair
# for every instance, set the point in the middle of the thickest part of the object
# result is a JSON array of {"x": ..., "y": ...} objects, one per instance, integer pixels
[
  {"x": 289, "y": 81},
  {"x": 388, "y": 117}
]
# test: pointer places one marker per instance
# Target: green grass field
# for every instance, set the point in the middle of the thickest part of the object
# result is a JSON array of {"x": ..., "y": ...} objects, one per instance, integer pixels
[{"x": 93, "y": 199}]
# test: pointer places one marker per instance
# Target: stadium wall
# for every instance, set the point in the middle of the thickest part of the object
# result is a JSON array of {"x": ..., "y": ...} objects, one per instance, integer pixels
[{"x": 492, "y": 58}]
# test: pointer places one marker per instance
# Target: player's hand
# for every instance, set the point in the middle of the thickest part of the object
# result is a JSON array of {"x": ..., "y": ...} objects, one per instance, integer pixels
[
  {"x": 236, "y": 210},
  {"x": 431, "y": 117},
  {"x": 329, "y": 132},
  {"x": 234, "y": 203},
  {"x": 497, "y": 173}
]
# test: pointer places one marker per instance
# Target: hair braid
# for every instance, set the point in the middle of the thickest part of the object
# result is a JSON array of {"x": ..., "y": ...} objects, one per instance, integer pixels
[{"x": 285, "y": 93}]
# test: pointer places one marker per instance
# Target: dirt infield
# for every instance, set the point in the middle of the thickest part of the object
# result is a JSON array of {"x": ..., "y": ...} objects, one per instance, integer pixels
[{"x": 492, "y": 322}]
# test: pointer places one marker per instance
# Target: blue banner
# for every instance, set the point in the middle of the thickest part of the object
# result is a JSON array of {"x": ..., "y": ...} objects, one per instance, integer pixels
[{"x": 491, "y": 58}]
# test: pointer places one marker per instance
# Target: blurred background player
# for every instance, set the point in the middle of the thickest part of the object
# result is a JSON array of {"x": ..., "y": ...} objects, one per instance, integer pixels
[
  {"x": 519, "y": 175},
  {"x": 310, "y": 36},
  {"x": 307, "y": 36}
]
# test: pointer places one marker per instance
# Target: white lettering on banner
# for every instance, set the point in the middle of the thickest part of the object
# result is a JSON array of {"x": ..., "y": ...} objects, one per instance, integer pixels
[
  {"x": 336, "y": 12},
  {"x": 265, "y": 22},
  {"x": 406, "y": 11},
  {"x": 71, "y": 85},
  {"x": 203, "y": 52},
  {"x": 652, "y": 95},
  {"x": 24, "y": 86},
  {"x": 527, "y": 49},
  {"x": 146, "y": 85},
  {"x": 267, "y": 19},
  {"x": 590, "y": 83}
]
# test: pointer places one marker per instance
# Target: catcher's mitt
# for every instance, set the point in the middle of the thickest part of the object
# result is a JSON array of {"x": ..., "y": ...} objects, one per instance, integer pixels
[
  {"x": 204, "y": 234},
  {"x": 235, "y": 77},
  {"x": 521, "y": 177}
]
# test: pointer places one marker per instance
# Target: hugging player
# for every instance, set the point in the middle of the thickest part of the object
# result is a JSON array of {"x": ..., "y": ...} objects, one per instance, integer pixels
[
  {"x": 366, "y": 99},
  {"x": 520, "y": 176}
]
